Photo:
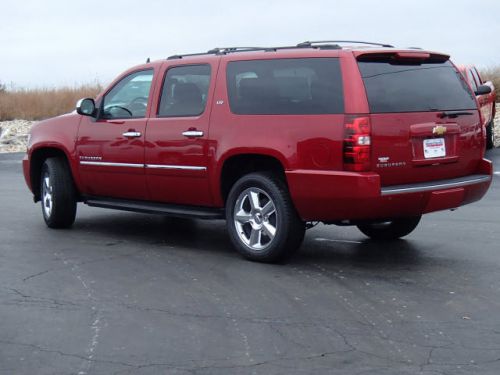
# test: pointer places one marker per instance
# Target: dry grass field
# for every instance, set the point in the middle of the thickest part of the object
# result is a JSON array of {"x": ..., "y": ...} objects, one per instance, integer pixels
[{"x": 39, "y": 104}]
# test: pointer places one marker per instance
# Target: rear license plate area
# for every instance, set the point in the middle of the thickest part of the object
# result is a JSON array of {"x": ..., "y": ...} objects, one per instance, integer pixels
[{"x": 434, "y": 148}]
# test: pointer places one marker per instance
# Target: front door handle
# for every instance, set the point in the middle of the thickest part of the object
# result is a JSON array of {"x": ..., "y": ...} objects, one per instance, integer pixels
[
  {"x": 132, "y": 134},
  {"x": 192, "y": 133}
]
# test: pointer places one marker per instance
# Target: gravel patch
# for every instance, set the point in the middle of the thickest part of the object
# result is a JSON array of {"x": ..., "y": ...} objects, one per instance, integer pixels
[{"x": 14, "y": 135}]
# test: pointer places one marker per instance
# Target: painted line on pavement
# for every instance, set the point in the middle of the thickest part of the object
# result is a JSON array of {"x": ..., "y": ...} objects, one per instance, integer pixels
[{"x": 341, "y": 241}]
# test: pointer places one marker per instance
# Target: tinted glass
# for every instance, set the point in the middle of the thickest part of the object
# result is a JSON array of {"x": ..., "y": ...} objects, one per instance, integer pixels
[
  {"x": 479, "y": 81},
  {"x": 185, "y": 91},
  {"x": 129, "y": 97},
  {"x": 285, "y": 86},
  {"x": 394, "y": 87},
  {"x": 471, "y": 80}
]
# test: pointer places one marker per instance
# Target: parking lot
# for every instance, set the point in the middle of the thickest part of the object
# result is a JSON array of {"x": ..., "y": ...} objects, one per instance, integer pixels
[{"x": 126, "y": 293}]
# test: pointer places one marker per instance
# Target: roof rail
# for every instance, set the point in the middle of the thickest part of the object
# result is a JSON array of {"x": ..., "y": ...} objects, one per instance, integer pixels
[
  {"x": 223, "y": 51},
  {"x": 324, "y": 44},
  {"x": 311, "y": 43}
]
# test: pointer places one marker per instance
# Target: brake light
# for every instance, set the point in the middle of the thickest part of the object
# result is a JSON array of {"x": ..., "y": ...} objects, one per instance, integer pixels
[{"x": 357, "y": 143}]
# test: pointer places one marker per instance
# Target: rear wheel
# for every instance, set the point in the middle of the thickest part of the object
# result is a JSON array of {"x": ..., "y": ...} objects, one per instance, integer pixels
[
  {"x": 489, "y": 136},
  {"x": 261, "y": 219},
  {"x": 58, "y": 195},
  {"x": 391, "y": 229}
]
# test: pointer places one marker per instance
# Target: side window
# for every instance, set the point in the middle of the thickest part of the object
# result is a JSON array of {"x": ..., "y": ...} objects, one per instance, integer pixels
[
  {"x": 475, "y": 73},
  {"x": 185, "y": 91},
  {"x": 129, "y": 97},
  {"x": 285, "y": 86},
  {"x": 471, "y": 80}
]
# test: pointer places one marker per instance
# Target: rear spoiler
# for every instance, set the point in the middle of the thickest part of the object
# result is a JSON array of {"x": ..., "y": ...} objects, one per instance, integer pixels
[{"x": 402, "y": 56}]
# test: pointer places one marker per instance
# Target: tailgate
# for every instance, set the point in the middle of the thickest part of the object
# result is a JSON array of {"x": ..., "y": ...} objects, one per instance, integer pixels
[{"x": 424, "y": 119}]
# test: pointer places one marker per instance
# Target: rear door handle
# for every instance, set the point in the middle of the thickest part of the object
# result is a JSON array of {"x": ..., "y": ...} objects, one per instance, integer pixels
[
  {"x": 192, "y": 133},
  {"x": 132, "y": 134}
]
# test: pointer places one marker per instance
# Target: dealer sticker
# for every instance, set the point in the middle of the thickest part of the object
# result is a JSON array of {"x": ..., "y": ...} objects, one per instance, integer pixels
[{"x": 434, "y": 148}]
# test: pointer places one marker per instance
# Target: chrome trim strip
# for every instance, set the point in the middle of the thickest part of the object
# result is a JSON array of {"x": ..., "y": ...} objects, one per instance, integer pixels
[
  {"x": 108, "y": 164},
  {"x": 152, "y": 166},
  {"x": 183, "y": 167},
  {"x": 446, "y": 184}
]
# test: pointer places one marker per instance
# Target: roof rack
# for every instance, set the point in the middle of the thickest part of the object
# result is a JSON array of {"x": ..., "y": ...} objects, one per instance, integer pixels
[
  {"x": 221, "y": 51},
  {"x": 311, "y": 43},
  {"x": 324, "y": 44}
]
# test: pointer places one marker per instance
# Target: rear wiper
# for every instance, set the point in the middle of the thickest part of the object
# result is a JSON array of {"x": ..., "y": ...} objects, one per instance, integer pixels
[{"x": 454, "y": 114}]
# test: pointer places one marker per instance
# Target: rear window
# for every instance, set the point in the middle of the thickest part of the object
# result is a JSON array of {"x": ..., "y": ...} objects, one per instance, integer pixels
[
  {"x": 285, "y": 86},
  {"x": 430, "y": 86}
]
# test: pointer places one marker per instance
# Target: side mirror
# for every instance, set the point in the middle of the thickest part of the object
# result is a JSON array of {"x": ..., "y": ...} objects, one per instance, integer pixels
[
  {"x": 482, "y": 90},
  {"x": 86, "y": 107}
]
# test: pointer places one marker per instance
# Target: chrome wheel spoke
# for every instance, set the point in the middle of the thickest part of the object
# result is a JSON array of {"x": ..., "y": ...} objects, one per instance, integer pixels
[
  {"x": 269, "y": 230},
  {"x": 243, "y": 217},
  {"x": 268, "y": 209},
  {"x": 46, "y": 181},
  {"x": 254, "y": 199},
  {"x": 255, "y": 238}
]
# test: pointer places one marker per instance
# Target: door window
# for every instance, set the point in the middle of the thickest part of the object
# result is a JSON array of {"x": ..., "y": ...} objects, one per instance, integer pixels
[
  {"x": 479, "y": 81},
  {"x": 185, "y": 91},
  {"x": 129, "y": 97},
  {"x": 471, "y": 80}
]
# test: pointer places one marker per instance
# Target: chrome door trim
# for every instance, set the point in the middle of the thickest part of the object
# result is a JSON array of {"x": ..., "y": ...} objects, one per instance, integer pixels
[
  {"x": 151, "y": 166},
  {"x": 183, "y": 167},
  {"x": 109, "y": 164}
]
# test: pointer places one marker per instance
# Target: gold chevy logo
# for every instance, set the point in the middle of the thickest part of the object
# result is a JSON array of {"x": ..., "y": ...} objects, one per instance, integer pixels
[{"x": 439, "y": 130}]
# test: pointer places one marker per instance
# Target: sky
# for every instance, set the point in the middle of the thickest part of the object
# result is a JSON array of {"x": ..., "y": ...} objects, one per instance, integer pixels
[{"x": 50, "y": 43}]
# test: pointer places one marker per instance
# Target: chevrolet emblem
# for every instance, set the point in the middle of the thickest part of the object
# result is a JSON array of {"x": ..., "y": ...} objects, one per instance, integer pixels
[{"x": 439, "y": 130}]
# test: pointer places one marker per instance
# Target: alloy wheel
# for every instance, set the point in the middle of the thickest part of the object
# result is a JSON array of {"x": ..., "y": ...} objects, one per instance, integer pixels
[
  {"x": 47, "y": 197},
  {"x": 255, "y": 218}
]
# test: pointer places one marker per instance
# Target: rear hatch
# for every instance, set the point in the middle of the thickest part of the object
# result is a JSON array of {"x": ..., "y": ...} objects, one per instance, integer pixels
[{"x": 424, "y": 119}]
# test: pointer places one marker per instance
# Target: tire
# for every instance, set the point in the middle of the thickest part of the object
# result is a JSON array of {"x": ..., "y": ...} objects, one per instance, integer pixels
[
  {"x": 261, "y": 220},
  {"x": 390, "y": 230},
  {"x": 57, "y": 193},
  {"x": 489, "y": 136}
]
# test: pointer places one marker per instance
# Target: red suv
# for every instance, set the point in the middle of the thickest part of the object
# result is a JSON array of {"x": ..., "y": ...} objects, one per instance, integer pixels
[
  {"x": 485, "y": 94},
  {"x": 272, "y": 140}
]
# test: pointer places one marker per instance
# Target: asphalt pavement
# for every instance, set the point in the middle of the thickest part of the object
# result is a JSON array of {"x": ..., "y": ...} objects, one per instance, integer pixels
[{"x": 125, "y": 293}]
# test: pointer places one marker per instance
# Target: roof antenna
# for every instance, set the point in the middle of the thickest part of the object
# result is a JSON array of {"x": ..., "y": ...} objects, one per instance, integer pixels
[{"x": 148, "y": 60}]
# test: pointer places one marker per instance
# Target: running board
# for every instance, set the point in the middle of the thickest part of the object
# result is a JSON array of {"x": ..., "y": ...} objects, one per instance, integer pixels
[{"x": 156, "y": 208}]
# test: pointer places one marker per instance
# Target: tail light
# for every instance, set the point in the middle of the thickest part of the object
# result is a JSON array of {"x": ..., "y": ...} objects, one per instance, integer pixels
[{"x": 357, "y": 143}]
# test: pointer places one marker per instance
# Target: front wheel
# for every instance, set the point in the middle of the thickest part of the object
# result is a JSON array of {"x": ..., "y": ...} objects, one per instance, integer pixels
[
  {"x": 391, "y": 229},
  {"x": 57, "y": 193},
  {"x": 261, "y": 219}
]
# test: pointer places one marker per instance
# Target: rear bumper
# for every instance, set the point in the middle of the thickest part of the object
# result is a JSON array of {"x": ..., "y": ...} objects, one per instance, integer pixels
[{"x": 334, "y": 196}]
